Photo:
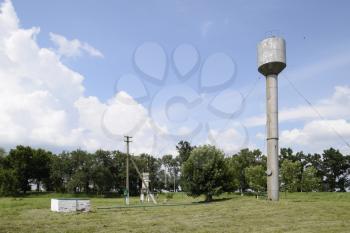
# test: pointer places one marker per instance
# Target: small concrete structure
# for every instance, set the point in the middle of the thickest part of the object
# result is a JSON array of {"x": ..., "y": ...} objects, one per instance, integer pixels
[
  {"x": 145, "y": 189},
  {"x": 70, "y": 205},
  {"x": 145, "y": 186}
]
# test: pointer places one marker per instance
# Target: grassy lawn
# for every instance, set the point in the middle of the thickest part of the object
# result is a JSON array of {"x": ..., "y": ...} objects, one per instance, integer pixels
[{"x": 298, "y": 212}]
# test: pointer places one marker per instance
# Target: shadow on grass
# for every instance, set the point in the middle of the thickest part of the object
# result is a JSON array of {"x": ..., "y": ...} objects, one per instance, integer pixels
[
  {"x": 145, "y": 206},
  {"x": 67, "y": 195},
  {"x": 214, "y": 200}
]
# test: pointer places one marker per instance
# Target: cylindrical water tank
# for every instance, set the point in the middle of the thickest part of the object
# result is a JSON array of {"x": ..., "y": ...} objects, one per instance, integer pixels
[{"x": 271, "y": 56}]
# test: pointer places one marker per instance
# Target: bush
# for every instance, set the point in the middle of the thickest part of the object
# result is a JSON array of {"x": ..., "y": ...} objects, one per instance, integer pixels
[
  {"x": 8, "y": 182},
  {"x": 205, "y": 172}
]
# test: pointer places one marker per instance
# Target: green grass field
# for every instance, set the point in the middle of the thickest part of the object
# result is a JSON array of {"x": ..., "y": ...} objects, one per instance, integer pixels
[{"x": 298, "y": 212}]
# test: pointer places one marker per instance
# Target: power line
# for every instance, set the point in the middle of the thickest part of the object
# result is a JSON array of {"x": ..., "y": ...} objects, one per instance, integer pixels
[
  {"x": 251, "y": 89},
  {"x": 316, "y": 111},
  {"x": 241, "y": 108}
]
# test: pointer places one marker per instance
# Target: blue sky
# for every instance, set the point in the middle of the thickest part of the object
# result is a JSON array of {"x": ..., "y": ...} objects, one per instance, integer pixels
[{"x": 224, "y": 34}]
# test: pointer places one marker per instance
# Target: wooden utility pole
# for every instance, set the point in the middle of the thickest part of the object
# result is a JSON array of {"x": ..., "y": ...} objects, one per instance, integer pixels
[
  {"x": 165, "y": 183},
  {"x": 174, "y": 180},
  {"x": 127, "y": 140}
]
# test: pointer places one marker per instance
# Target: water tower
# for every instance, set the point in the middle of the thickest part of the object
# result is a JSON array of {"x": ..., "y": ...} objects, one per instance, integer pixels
[{"x": 271, "y": 61}]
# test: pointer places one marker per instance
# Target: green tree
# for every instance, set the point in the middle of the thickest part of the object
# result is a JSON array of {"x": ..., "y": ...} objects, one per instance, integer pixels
[
  {"x": 310, "y": 181},
  {"x": 155, "y": 168},
  {"x": 171, "y": 167},
  {"x": 61, "y": 170},
  {"x": 286, "y": 153},
  {"x": 239, "y": 162},
  {"x": 167, "y": 161},
  {"x": 77, "y": 182},
  {"x": 82, "y": 171},
  {"x": 184, "y": 149},
  {"x": 3, "y": 159},
  {"x": 290, "y": 172},
  {"x": 152, "y": 166},
  {"x": 101, "y": 179},
  {"x": 2, "y": 153},
  {"x": 335, "y": 168},
  {"x": 205, "y": 172},
  {"x": 8, "y": 182},
  {"x": 118, "y": 168},
  {"x": 21, "y": 161},
  {"x": 102, "y": 168},
  {"x": 256, "y": 178},
  {"x": 145, "y": 163},
  {"x": 315, "y": 160},
  {"x": 41, "y": 168}
]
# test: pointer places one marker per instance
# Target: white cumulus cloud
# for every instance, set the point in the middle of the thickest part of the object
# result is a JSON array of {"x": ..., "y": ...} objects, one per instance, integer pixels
[
  {"x": 73, "y": 48},
  {"x": 42, "y": 101},
  {"x": 231, "y": 139},
  {"x": 335, "y": 107},
  {"x": 318, "y": 135}
]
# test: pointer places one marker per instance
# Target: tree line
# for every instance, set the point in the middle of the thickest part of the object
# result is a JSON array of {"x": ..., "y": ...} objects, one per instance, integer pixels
[{"x": 195, "y": 170}]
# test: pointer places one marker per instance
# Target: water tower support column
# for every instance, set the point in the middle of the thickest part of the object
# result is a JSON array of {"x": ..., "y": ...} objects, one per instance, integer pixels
[
  {"x": 271, "y": 61},
  {"x": 272, "y": 136}
]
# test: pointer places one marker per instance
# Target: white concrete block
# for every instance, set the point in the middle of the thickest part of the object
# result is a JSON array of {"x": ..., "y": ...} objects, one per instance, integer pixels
[{"x": 70, "y": 205}]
